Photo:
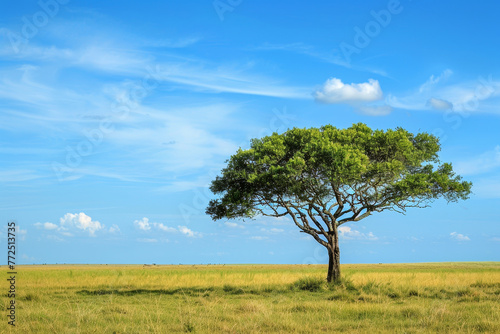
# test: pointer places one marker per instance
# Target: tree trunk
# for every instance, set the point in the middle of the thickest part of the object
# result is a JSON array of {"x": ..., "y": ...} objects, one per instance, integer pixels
[{"x": 333, "y": 261}]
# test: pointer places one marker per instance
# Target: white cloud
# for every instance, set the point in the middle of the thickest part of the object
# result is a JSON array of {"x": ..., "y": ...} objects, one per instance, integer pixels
[
  {"x": 21, "y": 234},
  {"x": 462, "y": 97},
  {"x": 165, "y": 228},
  {"x": 439, "y": 104},
  {"x": 186, "y": 231},
  {"x": 348, "y": 233},
  {"x": 459, "y": 237},
  {"x": 332, "y": 56},
  {"x": 259, "y": 238},
  {"x": 167, "y": 137},
  {"x": 189, "y": 233},
  {"x": 143, "y": 224},
  {"x": 80, "y": 221},
  {"x": 335, "y": 91},
  {"x": 433, "y": 80},
  {"x": 47, "y": 226},
  {"x": 186, "y": 73},
  {"x": 114, "y": 229}
]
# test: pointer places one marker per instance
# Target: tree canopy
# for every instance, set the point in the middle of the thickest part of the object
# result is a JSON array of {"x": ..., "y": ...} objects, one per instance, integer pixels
[{"x": 324, "y": 177}]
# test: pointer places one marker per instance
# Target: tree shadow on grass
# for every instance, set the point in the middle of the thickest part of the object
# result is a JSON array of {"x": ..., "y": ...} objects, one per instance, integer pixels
[
  {"x": 191, "y": 291},
  {"x": 187, "y": 291}
]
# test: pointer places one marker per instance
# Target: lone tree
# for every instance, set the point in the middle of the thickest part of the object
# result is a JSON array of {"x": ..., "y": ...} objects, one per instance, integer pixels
[{"x": 323, "y": 178}]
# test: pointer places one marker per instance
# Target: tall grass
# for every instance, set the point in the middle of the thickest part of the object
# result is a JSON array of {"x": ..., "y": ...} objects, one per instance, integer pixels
[{"x": 416, "y": 298}]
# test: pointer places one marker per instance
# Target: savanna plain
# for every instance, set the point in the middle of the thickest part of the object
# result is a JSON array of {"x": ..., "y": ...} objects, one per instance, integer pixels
[{"x": 376, "y": 298}]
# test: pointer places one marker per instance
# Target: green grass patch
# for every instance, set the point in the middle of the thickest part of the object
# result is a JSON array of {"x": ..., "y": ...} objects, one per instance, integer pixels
[{"x": 419, "y": 298}]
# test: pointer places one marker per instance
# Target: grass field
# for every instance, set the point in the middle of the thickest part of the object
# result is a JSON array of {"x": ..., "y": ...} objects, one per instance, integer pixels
[{"x": 385, "y": 298}]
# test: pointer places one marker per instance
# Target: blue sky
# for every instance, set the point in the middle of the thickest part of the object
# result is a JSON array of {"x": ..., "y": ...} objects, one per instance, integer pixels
[{"x": 115, "y": 116}]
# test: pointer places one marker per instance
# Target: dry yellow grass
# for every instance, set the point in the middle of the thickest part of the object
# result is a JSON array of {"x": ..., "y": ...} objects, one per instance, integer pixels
[{"x": 413, "y": 298}]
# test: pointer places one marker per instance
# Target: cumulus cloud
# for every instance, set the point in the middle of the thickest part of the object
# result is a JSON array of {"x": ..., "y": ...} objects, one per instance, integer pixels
[
  {"x": 349, "y": 234},
  {"x": 47, "y": 226},
  {"x": 187, "y": 232},
  {"x": 72, "y": 223},
  {"x": 145, "y": 225},
  {"x": 335, "y": 91},
  {"x": 439, "y": 104},
  {"x": 165, "y": 228},
  {"x": 80, "y": 221},
  {"x": 459, "y": 237}
]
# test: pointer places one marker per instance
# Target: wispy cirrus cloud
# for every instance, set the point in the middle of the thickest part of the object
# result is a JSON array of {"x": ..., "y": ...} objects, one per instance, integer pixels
[
  {"x": 439, "y": 104},
  {"x": 433, "y": 80},
  {"x": 438, "y": 93},
  {"x": 179, "y": 137},
  {"x": 333, "y": 56},
  {"x": 186, "y": 73},
  {"x": 480, "y": 164}
]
